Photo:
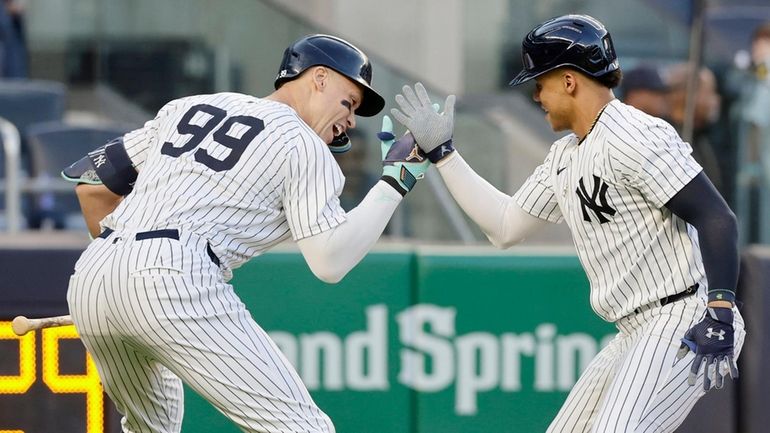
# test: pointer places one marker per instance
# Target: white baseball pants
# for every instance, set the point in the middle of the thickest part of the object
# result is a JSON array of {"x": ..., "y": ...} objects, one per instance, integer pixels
[
  {"x": 635, "y": 384},
  {"x": 157, "y": 312}
]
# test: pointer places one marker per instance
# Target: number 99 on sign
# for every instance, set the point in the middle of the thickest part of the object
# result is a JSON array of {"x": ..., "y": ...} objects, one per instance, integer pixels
[{"x": 22, "y": 384}]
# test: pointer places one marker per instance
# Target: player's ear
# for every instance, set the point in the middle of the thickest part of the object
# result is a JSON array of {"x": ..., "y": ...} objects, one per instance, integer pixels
[
  {"x": 569, "y": 81},
  {"x": 321, "y": 77}
]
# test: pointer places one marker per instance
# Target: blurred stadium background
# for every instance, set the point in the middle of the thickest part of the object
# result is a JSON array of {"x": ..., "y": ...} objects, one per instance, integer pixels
[{"x": 426, "y": 335}]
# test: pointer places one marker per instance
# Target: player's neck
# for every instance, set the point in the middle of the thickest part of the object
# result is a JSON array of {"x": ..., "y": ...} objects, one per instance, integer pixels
[
  {"x": 588, "y": 112},
  {"x": 281, "y": 96}
]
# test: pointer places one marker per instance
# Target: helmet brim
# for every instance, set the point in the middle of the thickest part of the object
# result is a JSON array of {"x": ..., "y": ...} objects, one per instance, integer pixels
[
  {"x": 372, "y": 102},
  {"x": 525, "y": 76}
]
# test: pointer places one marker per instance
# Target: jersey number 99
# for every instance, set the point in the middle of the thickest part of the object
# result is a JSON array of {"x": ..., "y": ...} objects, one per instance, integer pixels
[{"x": 199, "y": 132}]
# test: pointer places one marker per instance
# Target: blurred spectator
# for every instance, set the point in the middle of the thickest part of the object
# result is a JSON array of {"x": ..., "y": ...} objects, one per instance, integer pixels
[
  {"x": 643, "y": 88},
  {"x": 706, "y": 150},
  {"x": 750, "y": 123},
  {"x": 13, "y": 62}
]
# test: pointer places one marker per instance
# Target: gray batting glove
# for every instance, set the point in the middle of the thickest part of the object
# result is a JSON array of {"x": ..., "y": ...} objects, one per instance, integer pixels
[{"x": 430, "y": 129}]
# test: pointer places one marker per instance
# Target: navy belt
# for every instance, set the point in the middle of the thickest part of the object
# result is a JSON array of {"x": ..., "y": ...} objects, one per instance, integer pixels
[
  {"x": 681, "y": 295},
  {"x": 670, "y": 299},
  {"x": 163, "y": 233}
]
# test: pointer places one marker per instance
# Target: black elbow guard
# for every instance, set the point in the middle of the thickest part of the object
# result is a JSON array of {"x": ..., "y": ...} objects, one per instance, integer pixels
[{"x": 109, "y": 165}]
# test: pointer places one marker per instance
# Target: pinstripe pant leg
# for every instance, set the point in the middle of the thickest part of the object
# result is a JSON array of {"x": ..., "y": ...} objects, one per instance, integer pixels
[
  {"x": 221, "y": 353},
  {"x": 650, "y": 392},
  {"x": 579, "y": 410},
  {"x": 183, "y": 314},
  {"x": 161, "y": 306},
  {"x": 675, "y": 399},
  {"x": 148, "y": 395}
]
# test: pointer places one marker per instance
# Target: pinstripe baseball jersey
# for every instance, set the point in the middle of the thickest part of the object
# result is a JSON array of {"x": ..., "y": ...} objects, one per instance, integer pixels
[
  {"x": 611, "y": 190},
  {"x": 243, "y": 172}
]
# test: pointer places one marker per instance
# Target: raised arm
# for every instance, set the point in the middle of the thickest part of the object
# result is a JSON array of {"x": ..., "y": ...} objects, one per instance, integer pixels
[
  {"x": 496, "y": 213},
  {"x": 333, "y": 253}
]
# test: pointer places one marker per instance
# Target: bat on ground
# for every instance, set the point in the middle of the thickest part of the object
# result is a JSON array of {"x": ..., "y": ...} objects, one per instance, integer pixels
[{"x": 21, "y": 325}]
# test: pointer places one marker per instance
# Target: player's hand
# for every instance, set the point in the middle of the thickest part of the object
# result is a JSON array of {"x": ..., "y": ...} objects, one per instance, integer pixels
[
  {"x": 432, "y": 130},
  {"x": 403, "y": 163},
  {"x": 712, "y": 340}
]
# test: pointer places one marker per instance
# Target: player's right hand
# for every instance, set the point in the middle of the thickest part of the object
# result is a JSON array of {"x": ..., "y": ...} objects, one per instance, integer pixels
[
  {"x": 403, "y": 162},
  {"x": 711, "y": 339},
  {"x": 432, "y": 130}
]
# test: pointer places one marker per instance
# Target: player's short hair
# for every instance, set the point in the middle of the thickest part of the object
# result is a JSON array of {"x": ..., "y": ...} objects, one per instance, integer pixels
[{"x": 610, "y": 80}]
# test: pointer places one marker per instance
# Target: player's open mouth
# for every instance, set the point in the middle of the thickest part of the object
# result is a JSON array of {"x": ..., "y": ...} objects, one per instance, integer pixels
[{"x": 337, "y": 129}]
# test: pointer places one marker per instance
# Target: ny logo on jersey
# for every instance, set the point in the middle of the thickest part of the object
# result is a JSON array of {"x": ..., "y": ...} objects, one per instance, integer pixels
[
  {"x": 590, "y": 201},
  {"x": 711, "y": 333}
]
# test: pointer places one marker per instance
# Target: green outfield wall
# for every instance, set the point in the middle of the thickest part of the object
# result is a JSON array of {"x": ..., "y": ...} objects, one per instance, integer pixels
[
  {"x": 425, "y": 342},
  {"x": 414, "y": 341}
]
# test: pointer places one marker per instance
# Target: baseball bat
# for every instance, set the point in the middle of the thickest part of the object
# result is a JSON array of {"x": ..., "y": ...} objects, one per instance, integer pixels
[{"x": 21, "y": 325}]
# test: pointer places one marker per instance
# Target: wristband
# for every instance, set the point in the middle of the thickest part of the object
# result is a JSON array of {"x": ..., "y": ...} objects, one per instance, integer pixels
[
  {"x": 394, "y": 183},
  {"x": 441, "y": 151},
  {"x": 721, "y": 295}
]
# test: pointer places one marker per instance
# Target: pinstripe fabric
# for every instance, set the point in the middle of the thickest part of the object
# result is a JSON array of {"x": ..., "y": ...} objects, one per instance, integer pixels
[
  {"x": 286, "y": 183},
  {"x": 635, "y": 384},
  {"x": 155, "y": 311},
  {"x": 644, "y": 252},
  {"x": 158, "y": 312},
  {"x": 611, "y": 190}
]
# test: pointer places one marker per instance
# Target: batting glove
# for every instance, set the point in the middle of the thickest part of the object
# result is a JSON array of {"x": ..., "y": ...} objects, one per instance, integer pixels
[
  {"x": 403, "y": 163},
  {"x": 432, "y": 130},
  {"x": 712, "y": 340}
]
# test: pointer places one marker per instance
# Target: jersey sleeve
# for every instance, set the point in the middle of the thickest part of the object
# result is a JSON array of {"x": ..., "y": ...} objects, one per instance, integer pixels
[
  {"x": 312, "y": 185},
  {"x": 139, "y": 141},
  {"x": 658, "y": 166},
  {"x": 536, "y": 196}
]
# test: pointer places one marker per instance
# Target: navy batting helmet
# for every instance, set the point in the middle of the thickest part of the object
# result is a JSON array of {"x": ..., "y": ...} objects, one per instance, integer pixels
[
  {"x": 579, "y": 41},
  {"x": 337, "y": 54}
]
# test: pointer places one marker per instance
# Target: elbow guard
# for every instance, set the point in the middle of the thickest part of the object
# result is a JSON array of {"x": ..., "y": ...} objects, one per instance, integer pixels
[{"x": 109, "y": 165}]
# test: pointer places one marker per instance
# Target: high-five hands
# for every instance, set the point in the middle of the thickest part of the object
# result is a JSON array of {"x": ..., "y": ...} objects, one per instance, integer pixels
[
  {"x": 432, "y": 130},
  {"x": 403, "y": 163}
]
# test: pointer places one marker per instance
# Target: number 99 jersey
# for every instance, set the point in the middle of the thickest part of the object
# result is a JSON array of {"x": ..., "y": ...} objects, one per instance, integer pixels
[{"x": 242, "y": 172}]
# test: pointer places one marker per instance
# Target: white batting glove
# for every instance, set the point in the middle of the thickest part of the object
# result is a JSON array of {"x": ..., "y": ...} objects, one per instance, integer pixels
[{"x": 430, "y": 128}]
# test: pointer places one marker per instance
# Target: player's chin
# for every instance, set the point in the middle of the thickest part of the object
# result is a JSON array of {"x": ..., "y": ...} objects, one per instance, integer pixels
[{"x": 555, "y": 125}]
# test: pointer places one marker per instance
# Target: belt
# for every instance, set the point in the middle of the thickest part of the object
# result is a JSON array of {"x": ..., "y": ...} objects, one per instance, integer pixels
[
  {"x": 163, "y": 233},
  {"x": 681, "y": 295},
  {"x": 671, "y": 299}
]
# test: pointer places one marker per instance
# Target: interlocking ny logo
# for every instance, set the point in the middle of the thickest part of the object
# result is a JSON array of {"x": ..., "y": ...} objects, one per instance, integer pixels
[
  {"x": 589, "y": 202},
  {"x": 712, "y": 334}
]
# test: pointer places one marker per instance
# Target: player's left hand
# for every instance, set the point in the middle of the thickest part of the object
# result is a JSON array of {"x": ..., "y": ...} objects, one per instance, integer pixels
[
  {"x": 403, "y": 162},
  {"x": 712, "y": 340},
  {"x": 432, "y": 130}
]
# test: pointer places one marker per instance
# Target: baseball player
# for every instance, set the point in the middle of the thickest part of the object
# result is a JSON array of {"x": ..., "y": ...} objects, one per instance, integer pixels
[
  {"x": 657, "y": 241},
  {"x": 211, "y": 182}
]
